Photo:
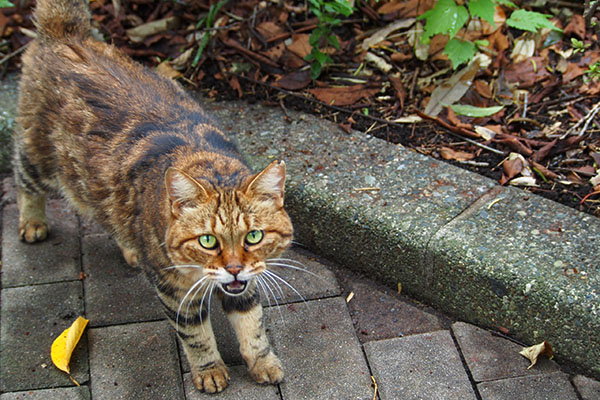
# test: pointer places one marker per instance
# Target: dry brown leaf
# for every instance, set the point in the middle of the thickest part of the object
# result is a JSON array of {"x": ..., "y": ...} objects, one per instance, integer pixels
[
  {"x": 165, "y": 69},
  {"x": 573, "y": 71},
  {"x": 343, "y": 95},
  {"x": 294, "y": 81},
  {"x": 532, "y": 353},
  {"x": 300, "y": 45},
  {"x": 528, "y": 72},
  {"x": 450, "y": 154},
  {"x": 576, "y": 26},
  {"x": 269, "y": 29},
  {"x": 141, "y": 32}
]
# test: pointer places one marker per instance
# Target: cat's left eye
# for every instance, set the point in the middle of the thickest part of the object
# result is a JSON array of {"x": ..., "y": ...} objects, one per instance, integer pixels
[{"x": 254, "y": 237}]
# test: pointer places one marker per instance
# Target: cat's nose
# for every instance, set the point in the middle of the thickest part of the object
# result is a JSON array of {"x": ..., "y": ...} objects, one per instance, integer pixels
[{"x": 234, "y": 269}]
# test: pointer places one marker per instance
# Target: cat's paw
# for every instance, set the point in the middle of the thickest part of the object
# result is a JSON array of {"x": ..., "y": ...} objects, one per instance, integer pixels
[
  {"x": 131, "y": 256},
  {"x": 267, "y": 369},
  {"x": 213, "y": 379},
  {"x": 33, "y": 230}
]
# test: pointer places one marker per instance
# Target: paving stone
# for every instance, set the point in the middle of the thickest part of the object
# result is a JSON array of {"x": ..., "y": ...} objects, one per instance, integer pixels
[
  {"x": 588, "y": 388},
  {"x": 134, "y": 361},
  {"x": 53, "y": 260},
  {"x": 71, "y": 393},
  {"x": 536, "y": 387},
  {"x": 321, "y": 356},
  {"x": 424, "y": 366},
  {"x": 9, "y": 191},
  {"x": 32, "y": 317},
  {"x": 491, "y": 357},
  {"x": 115, "y": 292},
  {"x": 377, "y": 315},
  {"x": 241, "y": 387}
]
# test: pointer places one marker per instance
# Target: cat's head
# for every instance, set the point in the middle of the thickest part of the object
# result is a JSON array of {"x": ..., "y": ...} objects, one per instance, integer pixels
[{"x": 231, "y": 232}]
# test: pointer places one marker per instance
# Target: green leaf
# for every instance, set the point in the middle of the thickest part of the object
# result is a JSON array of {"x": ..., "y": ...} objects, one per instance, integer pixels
[
  {"x": 446, "y": 17},
  {"x": 483, "y": 9},
  {"x": 530, "y": 21},
  {"x": 6, "y": 3},
  {"x": 472, "y": 111},
  {"x": 459, "y": 51},
  {"x": 507, "y": 3}
]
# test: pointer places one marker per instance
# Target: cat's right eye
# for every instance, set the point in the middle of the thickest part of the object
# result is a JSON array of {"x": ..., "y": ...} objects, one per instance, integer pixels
[{"x": 209, "y": 242}]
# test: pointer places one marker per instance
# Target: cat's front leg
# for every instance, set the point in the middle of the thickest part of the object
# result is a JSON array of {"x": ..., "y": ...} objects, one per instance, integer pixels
[
  {"x": 246, "y": 316},
  {"x": 209, "y": 372}
]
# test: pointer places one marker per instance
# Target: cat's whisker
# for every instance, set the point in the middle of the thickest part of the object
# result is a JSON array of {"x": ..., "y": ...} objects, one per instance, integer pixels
[
  {"x": 184, "y": 266},
  {"x": 198, "y": 283},
  {"x": 203, "y": 286},
  {"x": 284, "y": 265},
  {"x": 264, "y": 283},
  {"x": 269, "y": 279},
  {"x": 261, "y": 288},
  {"x": 274, "y": 275}
]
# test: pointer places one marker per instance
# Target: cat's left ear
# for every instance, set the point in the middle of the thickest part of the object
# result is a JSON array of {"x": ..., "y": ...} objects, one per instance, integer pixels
[{"x": 269, "y": 183}]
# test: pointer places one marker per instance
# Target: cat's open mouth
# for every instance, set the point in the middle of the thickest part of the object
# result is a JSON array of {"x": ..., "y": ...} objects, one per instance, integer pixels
[{"x": 235, "y": 287}]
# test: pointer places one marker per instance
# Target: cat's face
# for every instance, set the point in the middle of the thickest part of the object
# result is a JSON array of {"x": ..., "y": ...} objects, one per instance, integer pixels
[{"x": 228, "y": 233}]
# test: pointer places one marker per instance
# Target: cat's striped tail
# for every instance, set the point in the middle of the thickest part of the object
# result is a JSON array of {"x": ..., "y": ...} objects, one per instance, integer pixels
[{"x": 62, "y": 19}]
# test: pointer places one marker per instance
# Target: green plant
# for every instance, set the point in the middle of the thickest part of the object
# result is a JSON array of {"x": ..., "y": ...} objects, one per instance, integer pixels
[
  {"x": 208, "y": 22},
  {"x": 6, "y": 3},
  {"x": 593, "y": 70},
  {"x": 448, "y": 18},
  {"x": 327, "y": 13},
  {"x": 579, "y": 46}
]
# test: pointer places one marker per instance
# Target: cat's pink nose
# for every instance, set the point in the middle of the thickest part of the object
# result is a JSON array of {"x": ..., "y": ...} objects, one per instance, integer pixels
[{"x": 233, "y": 269}]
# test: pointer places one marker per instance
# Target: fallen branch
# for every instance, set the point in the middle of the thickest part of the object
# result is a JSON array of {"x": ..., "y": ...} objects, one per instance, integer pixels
[
  {"x": 585, "y": 120},
  {"x": 14, "y": 53}
]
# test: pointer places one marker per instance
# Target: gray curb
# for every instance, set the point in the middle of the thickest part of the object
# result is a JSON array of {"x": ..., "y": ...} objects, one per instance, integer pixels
[
  {"x": 494, "y": 256},
  {"x": 490, "y": 255}
]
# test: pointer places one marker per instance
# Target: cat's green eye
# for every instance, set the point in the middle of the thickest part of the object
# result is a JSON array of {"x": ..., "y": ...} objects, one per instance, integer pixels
[
  {"x": 254, "y": 237},
  {"x": 209, "y": 242}
]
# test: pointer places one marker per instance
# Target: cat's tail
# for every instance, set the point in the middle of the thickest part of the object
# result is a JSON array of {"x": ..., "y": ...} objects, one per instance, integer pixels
[{"x": 62, "y": 19}]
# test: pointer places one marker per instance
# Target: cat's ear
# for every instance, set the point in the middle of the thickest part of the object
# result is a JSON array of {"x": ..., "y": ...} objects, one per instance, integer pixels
[
  {"x": 269, "y": 183},
  {"x": 182, "y": 189}
]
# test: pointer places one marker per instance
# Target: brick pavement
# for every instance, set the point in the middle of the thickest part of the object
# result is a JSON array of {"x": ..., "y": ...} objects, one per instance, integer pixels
[{"x": 330, "y": 349}]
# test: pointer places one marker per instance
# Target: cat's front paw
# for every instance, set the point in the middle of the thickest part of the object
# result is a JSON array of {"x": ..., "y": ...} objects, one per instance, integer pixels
[
  {"x": 33, "y": 230},
  {"x": 267, "y": 369},
  {"x": 211, "y": 380}
]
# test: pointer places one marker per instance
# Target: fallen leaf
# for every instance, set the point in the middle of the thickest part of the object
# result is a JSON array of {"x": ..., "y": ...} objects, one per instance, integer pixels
[
  {"x": 300, "y": 45},
  {"x": 269, "y": 29},
  {"x": 450, "y": 91},
  {"x": 295, "y": 80},
  {"x": 165, "y": 69},
  {"x": 343, "y": 95},
  {"x": 63, "y": 345},
  {"x": 383, "y": 33},
  {"x": 513, "y": 166},
  {"x": 532, "y": 353},
  {"x": 576, "y": 26},
  {"x": 139, "y": 33},
  {"x": 450, "y": 154}
]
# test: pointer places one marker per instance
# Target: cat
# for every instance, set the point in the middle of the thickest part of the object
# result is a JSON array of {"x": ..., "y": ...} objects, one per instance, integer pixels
[{"x": 131, "y": 150}]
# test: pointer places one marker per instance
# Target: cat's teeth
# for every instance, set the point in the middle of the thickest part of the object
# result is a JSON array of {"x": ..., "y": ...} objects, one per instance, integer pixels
[{"x": 234, "y": 287}]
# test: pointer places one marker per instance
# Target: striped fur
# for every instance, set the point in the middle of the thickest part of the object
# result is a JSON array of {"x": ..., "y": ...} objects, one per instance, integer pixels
[{"x": 131, "y": 150}]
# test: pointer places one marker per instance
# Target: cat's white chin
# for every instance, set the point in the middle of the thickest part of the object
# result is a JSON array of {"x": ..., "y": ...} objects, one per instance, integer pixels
[{"x": 234, "y": 288}]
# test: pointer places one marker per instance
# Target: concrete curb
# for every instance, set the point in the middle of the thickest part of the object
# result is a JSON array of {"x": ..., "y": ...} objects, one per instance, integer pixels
[{"x": 494, "y": 256}]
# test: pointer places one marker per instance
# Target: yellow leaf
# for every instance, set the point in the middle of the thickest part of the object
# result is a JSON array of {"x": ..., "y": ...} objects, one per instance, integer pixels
[
  {"x": 63, "y": 346},
  {"x": 532, "y": 353}
]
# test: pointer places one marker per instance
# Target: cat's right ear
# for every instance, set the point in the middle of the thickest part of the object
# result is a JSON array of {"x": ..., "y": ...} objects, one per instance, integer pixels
[{"x": 182, "y": 189}]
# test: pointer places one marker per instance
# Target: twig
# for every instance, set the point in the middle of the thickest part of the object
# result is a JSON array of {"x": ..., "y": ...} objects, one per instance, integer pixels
[
  {"x": 374, "y": 387},
  {"x": 585, "y": 120},
  {"x": 14, "y": 53},
  {"x": 587, "y": 196},
  {"x": 367, "y": 189}
]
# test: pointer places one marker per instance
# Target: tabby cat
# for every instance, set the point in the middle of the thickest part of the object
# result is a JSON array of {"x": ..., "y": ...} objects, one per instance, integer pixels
[{"x": 133, "y": 151}]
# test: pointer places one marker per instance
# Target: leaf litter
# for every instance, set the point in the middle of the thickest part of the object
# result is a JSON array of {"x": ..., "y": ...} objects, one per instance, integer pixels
[{"x": 256, "y": 49}]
